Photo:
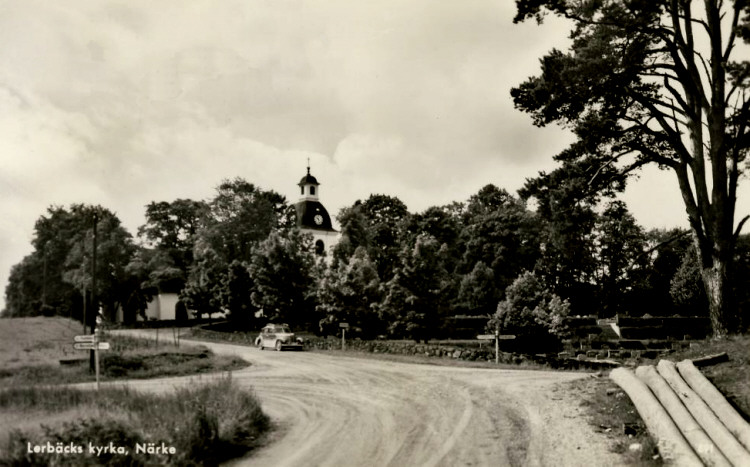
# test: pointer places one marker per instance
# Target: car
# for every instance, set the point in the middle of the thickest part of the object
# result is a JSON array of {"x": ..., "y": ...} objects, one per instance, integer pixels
[{"x": 279, "y": 337}]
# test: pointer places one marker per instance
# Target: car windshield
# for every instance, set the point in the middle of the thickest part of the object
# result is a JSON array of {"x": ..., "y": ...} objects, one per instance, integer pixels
[{"x": 283, "y": 329}]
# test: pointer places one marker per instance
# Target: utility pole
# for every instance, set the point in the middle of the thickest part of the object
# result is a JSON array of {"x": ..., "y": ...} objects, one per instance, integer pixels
[
  {"x": 94, "y": 304},
  {"x": 44, "y": 276},
  {"x": 85, "y": 299}
]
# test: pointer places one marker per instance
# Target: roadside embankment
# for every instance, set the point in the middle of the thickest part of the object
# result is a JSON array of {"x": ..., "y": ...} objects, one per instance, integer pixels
[{"x": 690, "y": 419}]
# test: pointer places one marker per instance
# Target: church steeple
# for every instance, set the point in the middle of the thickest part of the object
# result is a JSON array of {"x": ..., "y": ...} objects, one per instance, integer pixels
[
  {"x": 309, "y": 187},
  {"x": 312, "y": 216}
]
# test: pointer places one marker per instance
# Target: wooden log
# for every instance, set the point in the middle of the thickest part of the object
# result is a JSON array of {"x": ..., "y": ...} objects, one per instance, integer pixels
[
  {"x": 691, "y": 430},
  {"x": 730, "y": 447},
  {"x": 711, "y": 359},
  {"x": 671, "y": 443},
  {"x": 716, "y": 401}
]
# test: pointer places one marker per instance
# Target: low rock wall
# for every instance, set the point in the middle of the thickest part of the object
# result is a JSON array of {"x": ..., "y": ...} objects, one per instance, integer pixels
[{"x": 468, "y": 352}]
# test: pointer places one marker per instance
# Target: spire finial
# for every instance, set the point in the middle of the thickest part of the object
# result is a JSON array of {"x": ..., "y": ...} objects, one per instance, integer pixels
[{"x": 308, "y": 166}]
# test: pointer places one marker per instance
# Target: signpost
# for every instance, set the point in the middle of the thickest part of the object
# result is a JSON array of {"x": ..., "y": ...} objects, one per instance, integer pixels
[
  {"x": 91, "y": 342},
  {"x": 497, "y": 337},
  {"x": 344, "y": 327},
  {"x": 91, "y": 346}
]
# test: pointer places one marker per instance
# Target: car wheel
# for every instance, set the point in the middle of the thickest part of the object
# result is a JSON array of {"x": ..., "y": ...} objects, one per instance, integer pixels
[
  {"x": 260, "y": 344},
  {"x": 278, "y": 346}
]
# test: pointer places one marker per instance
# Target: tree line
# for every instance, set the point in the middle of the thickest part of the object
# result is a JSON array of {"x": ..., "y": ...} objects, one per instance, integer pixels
[
  {"x": 661, "y": 83},
  {"x": 489, "y": 260}
]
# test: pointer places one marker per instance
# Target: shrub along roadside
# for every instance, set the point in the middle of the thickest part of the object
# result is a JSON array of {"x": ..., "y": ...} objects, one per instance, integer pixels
[{"x": 205, "y": 425}]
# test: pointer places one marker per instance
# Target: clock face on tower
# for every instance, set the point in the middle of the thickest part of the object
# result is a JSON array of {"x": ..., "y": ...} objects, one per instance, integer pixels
[{"x": 318, "y": 219}]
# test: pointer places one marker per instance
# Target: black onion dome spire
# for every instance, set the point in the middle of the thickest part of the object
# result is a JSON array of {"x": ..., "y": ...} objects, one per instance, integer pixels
[{"x": 308, "y": 179}]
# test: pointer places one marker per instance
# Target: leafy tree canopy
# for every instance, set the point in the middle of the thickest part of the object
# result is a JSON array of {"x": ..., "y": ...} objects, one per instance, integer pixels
[{"x": 655, "y": 82}]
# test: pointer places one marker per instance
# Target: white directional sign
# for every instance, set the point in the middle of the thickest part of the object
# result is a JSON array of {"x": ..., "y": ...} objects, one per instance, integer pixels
[
  {"x": 84, "y": 338},
  {"x": 502, "y": 337},
  {"x": 91, "y": 346}
]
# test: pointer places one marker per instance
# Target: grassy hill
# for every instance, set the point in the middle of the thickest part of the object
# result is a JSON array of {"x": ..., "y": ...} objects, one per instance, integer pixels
[
  {"x": 37, "y": 341},
  {"x": 205, "y": 424}
]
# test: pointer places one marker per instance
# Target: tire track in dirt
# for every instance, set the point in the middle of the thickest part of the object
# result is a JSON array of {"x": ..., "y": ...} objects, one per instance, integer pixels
[{"x": 343, "y": 411}]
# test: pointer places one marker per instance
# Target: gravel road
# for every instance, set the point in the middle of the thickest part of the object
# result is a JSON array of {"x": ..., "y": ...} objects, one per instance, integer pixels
[{"x": 343, "y": 411}]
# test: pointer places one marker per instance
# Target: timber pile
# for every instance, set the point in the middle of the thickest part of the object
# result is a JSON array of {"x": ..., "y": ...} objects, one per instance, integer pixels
[{"x": 691, "y": 421}]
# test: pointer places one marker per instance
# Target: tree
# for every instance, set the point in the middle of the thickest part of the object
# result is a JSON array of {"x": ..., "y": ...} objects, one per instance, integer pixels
[
  {"x": 24, "y": 290},
  {"x": 54, "y": 276},
  {"x": 531, "y": 313},
  {"x": 656, "y": 82},
  {"x": 282, "y": 268},
  {"x": 172, "y": 227},
  {"x": 686, "y": 287},
  {"x": 354, "y": 233},
  {"x": 114, "y": 251},
  {"x": 237, "y": 219},
  {"x": 567, "y": 261},
  {"x": 742, "y": 280},
  {"x": 620, "y": 257},
  {"x": 236, "y": 288},
  {"x": 385, "y": 216},
  {"x": 478, "y": 293},
  {"x": 38, "y": 278},
  {"x": 240, "y": 216},
  {"x": 417, "y": 297},
  {"x": 666, "y": 249},
  {"x": 500, "y": 232},
  {"x": 203, "y": 292},
  {"x": 349, "y": 292}
]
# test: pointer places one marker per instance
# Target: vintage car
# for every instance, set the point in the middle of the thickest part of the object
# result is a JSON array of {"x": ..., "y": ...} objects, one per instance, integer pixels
[{"x": 279, "y": 337}]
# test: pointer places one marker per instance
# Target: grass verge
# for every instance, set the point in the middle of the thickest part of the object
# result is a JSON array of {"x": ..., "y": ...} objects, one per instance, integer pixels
[
  {"x": 190, "y": 426},
  {"x": 129, "y": 358}
]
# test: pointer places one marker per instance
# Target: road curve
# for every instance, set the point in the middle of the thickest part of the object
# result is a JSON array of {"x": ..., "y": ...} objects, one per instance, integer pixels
[{"x": 344, "y": 411}]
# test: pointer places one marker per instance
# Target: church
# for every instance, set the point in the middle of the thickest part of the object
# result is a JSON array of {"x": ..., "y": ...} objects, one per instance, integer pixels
[{"x": 313, "y": 218}]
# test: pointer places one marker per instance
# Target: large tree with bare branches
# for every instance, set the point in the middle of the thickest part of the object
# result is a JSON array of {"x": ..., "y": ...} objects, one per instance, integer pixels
[{"x": 661, "y": 82}]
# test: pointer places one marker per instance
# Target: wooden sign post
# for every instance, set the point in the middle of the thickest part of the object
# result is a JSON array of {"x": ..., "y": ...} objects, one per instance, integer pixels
[
  {"x": 497, "y": 337},
  {"x": 344, "y": 327},
  {"x": 91, "y": 342}
]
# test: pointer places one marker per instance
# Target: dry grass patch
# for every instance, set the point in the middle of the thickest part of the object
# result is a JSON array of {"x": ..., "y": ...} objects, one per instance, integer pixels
[
  {"x": 34, "y": 347},
  {"x": 201, "y": 426},
  {"x": 37, "y": 341}
]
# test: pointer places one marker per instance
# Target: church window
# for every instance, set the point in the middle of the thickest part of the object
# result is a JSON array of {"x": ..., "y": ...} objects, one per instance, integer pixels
[
  {"x": 312, "y": 190},
  {"x": 302, "y": 190},
  {"x": 319, "y": 248}
]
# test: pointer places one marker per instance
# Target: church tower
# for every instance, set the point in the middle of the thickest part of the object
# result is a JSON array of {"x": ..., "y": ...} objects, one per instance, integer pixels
[{"x": 313, "y": 218}]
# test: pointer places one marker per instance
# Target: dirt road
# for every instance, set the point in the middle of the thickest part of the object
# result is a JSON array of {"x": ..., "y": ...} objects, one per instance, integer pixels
[{"x": 341, "y": 411}]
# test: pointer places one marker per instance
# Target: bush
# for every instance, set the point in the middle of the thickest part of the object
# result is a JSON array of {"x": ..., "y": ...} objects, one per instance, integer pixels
[
  {"x": 206, "y": 426},
  {"x": 536, "y": 316}
]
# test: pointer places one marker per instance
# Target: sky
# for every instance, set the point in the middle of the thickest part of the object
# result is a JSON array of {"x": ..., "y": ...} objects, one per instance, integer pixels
[{"x": 121, "y": 103}]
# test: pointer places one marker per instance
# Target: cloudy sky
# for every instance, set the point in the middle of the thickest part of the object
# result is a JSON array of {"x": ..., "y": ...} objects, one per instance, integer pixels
[{"x": 121, "y": 103}]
